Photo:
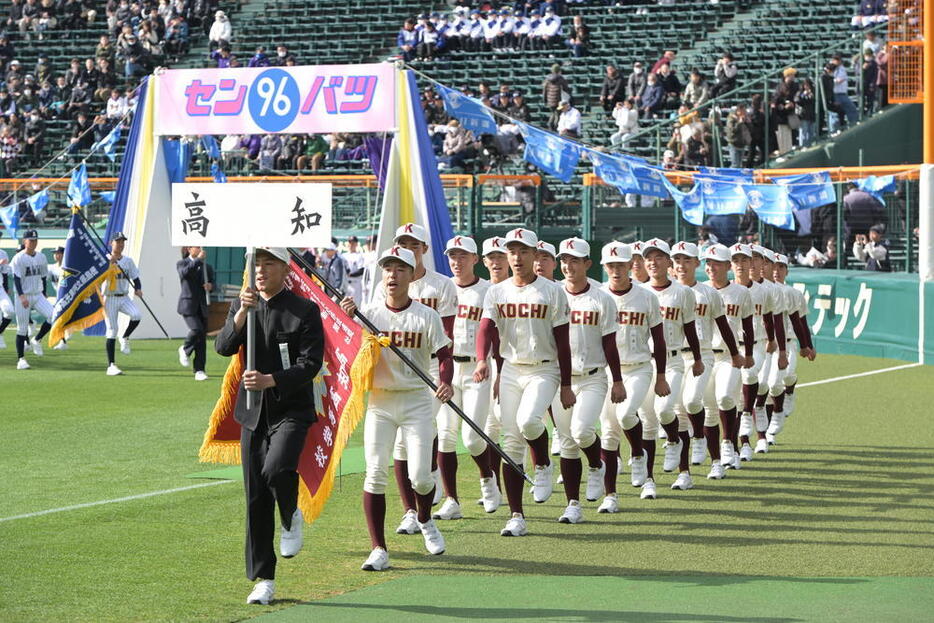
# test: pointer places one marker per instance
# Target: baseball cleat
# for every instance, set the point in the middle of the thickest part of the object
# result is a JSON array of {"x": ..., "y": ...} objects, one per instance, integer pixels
[
  {"x": 22, "y": 364},
  {"x": 125, "y": 345},
  {"x": 439, "y": 488},
  {"x": 515, "y": 526},
  {"x": 762, "y": 420},
  {"x": 610, "y": 504},
  {"x": 2, "y": 343},
  {"x": 183, "y": 357},
  {"x": 698, "y": 451},
  {"x": 777, "y": 424},
  {"x": 662, "y": 434},
  {"x": 672, "y": 455},
  {"x": 113, "y": 370},
  {"x": 745, "y": 453},
  {"x": 769, "y": 437},
  {"x": 555, "y": 443},
  {"x": 637, "y": 465},
  {"x": 378, "y": 560},
  {"x": 789, "y": 404},
  {"x": 543, "y": 486},
  {"x": 409, "y": 523},
  {"x": 648, "y": 490},
  {"x": 201, "y": 376},
  {"x": 572, "y": 514},
  {"x": 62, "y": 345},
  {"x": 449, "y": 510},
  {"x": 434, "y": 542},
  {"x": 746, "y": 425},
  {"x": 726, "y": 453},
  {"x": 762, "y": 447},
  {"x": 262, "y": 593},
  {"x": 716, "y": 471},
  {"x": 595, "y": 482},
  {"x": 36, "y": 347},
  {"x": 736, "y": 464},
  {"x": 683, "y": 482},
  {"x": 491, "y": 496},
  {"x": 619, "y": 466},
  {"x": 290, "y": 541}
]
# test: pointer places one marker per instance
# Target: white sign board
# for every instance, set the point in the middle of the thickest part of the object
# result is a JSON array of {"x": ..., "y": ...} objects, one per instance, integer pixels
[{"x": 251, "y": 215}]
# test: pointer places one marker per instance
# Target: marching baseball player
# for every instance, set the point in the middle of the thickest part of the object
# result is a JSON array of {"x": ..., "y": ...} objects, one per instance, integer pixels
[
  {"x": 529, "y": 314},
  {"x": 6, "y": 305},
  {"x": 721, "y": 366},
  {"x": 592, "y": 314},
  {"x": 776, "y": 363},
  {"x": 473, "y": 397},
  {"x": 494, "y": 258},
  {"x": 546, "y": 261},
  {"x": 56, "y": 273},
  {"x": 399, "y": 402},
  {"x": 639, "y": 317},
  {"x": 639, "y": 274},
  {"x": 116, "y": 301},
  {"x": 30, "y": 276}
]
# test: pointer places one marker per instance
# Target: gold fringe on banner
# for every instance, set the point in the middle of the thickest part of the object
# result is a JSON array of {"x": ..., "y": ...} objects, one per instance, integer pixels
[
  {"x": 62, "y": 328},
  {"x": 223, "y": 451}
]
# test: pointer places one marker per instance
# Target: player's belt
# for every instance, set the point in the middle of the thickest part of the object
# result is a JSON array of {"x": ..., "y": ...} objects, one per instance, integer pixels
[
  {"x": 115, "y": 294},
  {"x": 717, "y": 351},
  {"x": 744, "y": 343},
  {"x": 588, "y": 373},
  {"x": 463, "y": 358},
  {"x": 674, "y": 353}
]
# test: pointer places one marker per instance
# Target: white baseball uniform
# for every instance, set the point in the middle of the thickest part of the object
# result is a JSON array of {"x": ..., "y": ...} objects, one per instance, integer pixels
[
  {"x": 722, "y": 393},
  {"x": 31, "y": 270},
  {"x": 762, "y": 301},
  {"x": 796, "y": 303},
  {"x": 772, "y": 376},
  {"x": 400, "y": 401},
  {"x": 709, "y": 307},
  {"x": 354, "y": 261},
  {"x": 6, "y": 305},
  {"x": 116, "y": 296},
  {"x": 775, "y": 305}
]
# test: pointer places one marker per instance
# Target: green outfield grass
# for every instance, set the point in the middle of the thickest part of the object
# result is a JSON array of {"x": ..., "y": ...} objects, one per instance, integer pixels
[{"x": 846, "y": 499}]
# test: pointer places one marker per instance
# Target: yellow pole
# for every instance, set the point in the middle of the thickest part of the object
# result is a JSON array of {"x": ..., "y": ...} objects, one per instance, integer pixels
[{"x": 927, "y": 67}]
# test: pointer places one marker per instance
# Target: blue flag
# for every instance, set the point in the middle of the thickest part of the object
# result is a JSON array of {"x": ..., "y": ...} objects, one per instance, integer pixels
[
  {"x": 210, "y": 146},
  {"x": 691, "y": 202},
  {"x": 10, "y": 217},
  {"x": 808, "y": 190},
  {"x": 649, "y": 179},
  {"x": 726, "y": 173},
  {"x": 109, "y": 143},
  {"x": 38, "y": 202},
  {"x": 218, "y": 174},
  {"x": 471, "y": 112},
  {"x": 772, "y": 203},
  {"x": 84, "y": 267},
  {"x": 614, "y": 171},
  {"x": 108, "y": 196},
  {"x": 877, "y": 185},
  {"x": 721, "y": 198},
  {"x": 550, "y": 153},
  {"x": 79, "y": 190}
]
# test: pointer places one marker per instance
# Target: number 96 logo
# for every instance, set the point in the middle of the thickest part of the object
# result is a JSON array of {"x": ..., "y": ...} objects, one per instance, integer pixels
[{"x": 273, "y": 100}]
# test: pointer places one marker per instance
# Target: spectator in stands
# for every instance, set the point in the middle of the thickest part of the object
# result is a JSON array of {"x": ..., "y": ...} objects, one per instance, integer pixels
[
  {"x": 250, "y": 145},
  {"x": 521, "y": 31},
  {"x": 89, "y": 11},
  {"x": 869, "y": 13},
  {"x": 459, "y": 146},
  {"x": 429, "y": 43},
  {"x": 30, "y": 15},
  {"x": 554, "y": 89},
  {"x": 283, "y": 56},
  {"x": 579, "y": 41},
  {"x": 134, "y": 57},
  {"x": 635, "y": 85},
  {"x": 670, "y": 84},
  {"x": 80, "y": 101},
  {"x": 291, "y": 150},
  {"x": 872, "y": 43},
  {"x": 505, "y": 40},
  {"x": 407, "y": 40},
  {"x": 627, "y": 123},
  {"x": 491, "y": 31},
  {"x": 27, "y": 101},
  {"x": 221, "y": 56},
  {"x": 724, "y": 75},
  {"x": 73, "y": 73},
  {"x": 860, "y": 212},
  {"x": 34, "y": 135},
  {"x": 782, "y": 108},
  {"x": 548, "y": 32},
  {"x": 519, "y": 110},
  {"x": 696, "y": 92},
  {"x": 738, "y": 135},
  {"x": 829, "y": 103},
  {"x": 90, "y": 75},
  {"x": 9, "y": 150},
  {"x": 818, "y": 259},
  {"x": 696, "y": 150},
  {"x": 105, "y": 49},
  {"x": 502, "y": 100},
  {"x": 221, "y": 30},
  {"x": 6, "y": 52},
  {"x": 474, "y": 40},
  {"x": 45, "y": 23},
  {"x": 757, "y": 147},
  {"x": 82, "y": 136},
  {"x": 870, "y": 78},
  {"x": 177, "y": 37},
  {"x": 269, "y": 150},
  {"x": 841, "y": 96},
  {"x": 806, "y": 110},
  {"x": 151, "y": 43},
  {"x": 14, "y": 15},
  {"x": 313, "y": 152},
  {"x": 653, "y": 98},
  {"x": 613, "y": 90},
  {"x": 882, "y": 78},
  {"x": 667, "y": 59},
  {"x": 117, "y": 106},
  {"x": 569, "y": 120},
  {"x": 435, "y": 113},
  {"x": 259, "y": 59},
  {"x": 100, "y": 128},
  {"x": 874, "y": 251}
]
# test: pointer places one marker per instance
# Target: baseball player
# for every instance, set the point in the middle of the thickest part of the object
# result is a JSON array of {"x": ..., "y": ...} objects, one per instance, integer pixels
[
  {"x": 639, "y": 274},
  {"x": 721, "y": 367},
  {"x": 356, "y": 264},
  {"x": 56, "y": 273},
  {"x": 592, "y": 315},
  {"x": 773, "y": 370},
  {"x": 473, "y": 397},
  {"x": 116, "y": 301},
  {"x": 399, "y": 401},
  {"x": 639, "y": 317},
  {"x": 30, "y": 279},
  {"x": 529, "y": 314},
  {"x": 6, "y": 305},
  {"x": 546, "y": 261}
]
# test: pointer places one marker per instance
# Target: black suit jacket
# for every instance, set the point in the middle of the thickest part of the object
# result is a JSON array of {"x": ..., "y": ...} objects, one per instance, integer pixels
[
  {"x": 192, "y": 301},
  {"x": 284, "y": 319}
]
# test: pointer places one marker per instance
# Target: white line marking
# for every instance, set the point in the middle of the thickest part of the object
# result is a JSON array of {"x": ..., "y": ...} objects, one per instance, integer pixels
[
  {"x": 128, "y": 498},
  {"x": 856, "y": 376}
]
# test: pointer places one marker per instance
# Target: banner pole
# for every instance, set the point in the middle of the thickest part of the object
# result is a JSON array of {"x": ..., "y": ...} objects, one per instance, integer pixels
[{"x": 251, "y": 328}]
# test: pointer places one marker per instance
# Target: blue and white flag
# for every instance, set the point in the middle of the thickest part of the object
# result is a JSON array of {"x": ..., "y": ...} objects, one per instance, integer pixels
[
  {"x": 809, "y": 190},
  {"x": 108, "y": 196},
  {"x": 211, "y": 147},
  {"x": 38, "y": 202},
  {"x": 877, "y": 185},
  {"x": 109, "y": 143},
  {"x": 726, "y": 173},
  {"x": 648, "y": 178},
  {"x": 550, "y": 153},
  {"x": 690, "y": 202},
  {"x": 218, "y": 174},
  {"x": 79, "y": 190},
  {"x": 471, "y": 112},
  {"x": 721, "y": 198},
  {"x": 613, "y": 171},
  {"x": 10, "y": 217},
  {"x": 772, "y": 203}
]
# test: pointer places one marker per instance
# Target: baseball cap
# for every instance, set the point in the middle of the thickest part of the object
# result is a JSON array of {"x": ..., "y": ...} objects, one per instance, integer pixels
[
  {"x": 524, "y": 236},
  {"x": 353, "y": 239},
  {"x": 717, "y": 253},
  {"x": 280, "y": 253},
  {"x": 758, "y": 248},
  {"x": 741, "y": 249},
  {"x": 688, "y": 249},
  {"x": 781, "y": 259},
  {"x": 412, "y": 230},
  {"x": 118, "y": 236},
  {"x": 330, "y": 246},
  {"x": 464, "y": 243},
  {"x": 613, "y": 252},
  {"x": 397, "y": 253},
  {"x": 30, "y": 234},
  {"x": 636, "y": 247},
  {"x": 575, "y": 247},
  {"x": 59, "y": 250},
  {"x": 494, "y": 245},
  {"x": 547, "y": 247},
  {"x": 656, "y": 243}
]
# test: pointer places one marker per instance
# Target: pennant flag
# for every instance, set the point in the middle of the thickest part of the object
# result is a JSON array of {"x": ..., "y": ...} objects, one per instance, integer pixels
[
  {"x": 84, "y": 267},
  {"x": 219, "y": 176},
  {"x": 350, "y": 354},
  {"x": 38, "y": 202},
  {"x": 10, "y": 217},
  {"x": 552, "y": 154},
  {"x": 79, "y": 190},
  {"x": 614, "y": 171},
  {"x": 720, "y": 198},
  {"x": 745, "y": 175},
  {"x": 804, "y": 218},
  {"x": 471, "y": 113},
  {"x": 808, "y": 190},
  {"x": 108, "y": 196},
  {"x": 877, "y": 185},
  {"x": 651, "y": 180},
  {"x": 772, "y": 203},
  {"x": 691, "y": 203},
  {"x": 211, "y": 148},
  {"x": 109, "y": 143}
]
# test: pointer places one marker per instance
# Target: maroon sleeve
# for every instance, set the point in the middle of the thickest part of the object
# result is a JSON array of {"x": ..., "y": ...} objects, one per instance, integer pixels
[
  {"x": 562, "y": 335},
  {"x": 769, "y": 321},
  {"x": 612, "y": 356},
  {"x": 448, "y": 322},
  {"x": 660, "y": 352},
  {"x": 690, "y": 334},
  {"x": 445, "y": 365},
  {"x": 802, "y": 330},
  {"x": 727, "y": 334},
  {"x": 749, "y": 335},
  {"x": 485, "y": 337},
  {"x": 779, "y": 322}
]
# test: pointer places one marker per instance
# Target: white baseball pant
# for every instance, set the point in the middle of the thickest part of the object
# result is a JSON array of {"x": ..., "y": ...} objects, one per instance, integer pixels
[
  {"x": 791, "y": 372},
  {"x": 494, "y": 422},
  {"x": 525, "y": 392},
  {"x": 577, "y": 426},
  {"x": 36, "y": 302},
  {"x": 661, "y": 409},
  {"x": 474, "y": 400},
  {"x": 114, "y": 305},
  {"x": 722, "y": 388},
  {"x": 399, "y": 452},
  {"x": 750, "y": 376},
  {"x": 615, "y": 418},
  {"x": 6, "y": 305},
  {"x": 694, "y": 387},
  {"x": 407, "y": 413},
  {"x": 765, "y": 372}
]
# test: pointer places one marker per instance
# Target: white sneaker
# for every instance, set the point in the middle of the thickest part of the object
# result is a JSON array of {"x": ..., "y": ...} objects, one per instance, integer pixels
[
  {"x": 716, "y": 471},
  {"x": 736, "y": 464},
  {"x": 661, "y": 433},
  {"x": 637, "y": 466},
  {"x": 777, "y": 424},
  {"x": 201, "y": 376},
  {"x": 378, "y": 560},
  {"x": 290, "y": 541},
  {"x": 698, "y": 451},
  {"x": 572, "y": 514},
  {"x": 491, "y": 497},
  {"x": 113, "y": 370},
  {"x": 726, "y": 453},
  {"x": 125, "y": 345},
  {"x": 619, "y": 466},
  {"x": 543, "y": 486},
  {"x": 762, "y": 446},
  {"x": 560, "y": 480},
  {"x": 409, "y": 523},
  {"x": 745, "y": 453},
  {"x": 672, "y": 455},
  {"x": 36, "y": 347},
  {"x": 2, "y": 343},
  {"x": 555, "y": 444},
  {"x": 22, "y": 364},
  {"x": 183, "y": 357},
  {"x": 449, "y": 510},
  {"x": 595, "y": 482},
  {"x": 610, "y": 504},
  {"x": 746, "y": 425},
  {"x": 762, "y": 419},
  {"x": 515, "y": 526},
  {"x": 770, "y": 438},
  {"x": 262, "y": 592},
  {"x": 434, "y": 542},
  {"x": 439, "y": 487},
  {"x": 790, "y": 404},
  {"x": 648, "y": 490},
  {"x": 62, "y": 345},
  {"x": 683, "y": 482}
]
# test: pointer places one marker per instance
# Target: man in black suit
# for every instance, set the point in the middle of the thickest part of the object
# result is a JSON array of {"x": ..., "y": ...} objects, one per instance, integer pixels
[
  {"x": 197, "y": 279},
  {"x": 289, "y": 352}
]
